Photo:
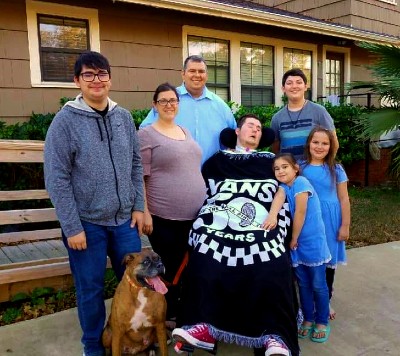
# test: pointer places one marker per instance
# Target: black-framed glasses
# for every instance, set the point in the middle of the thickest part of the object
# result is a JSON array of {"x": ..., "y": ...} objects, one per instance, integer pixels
[
  {"x": 89, "y": 76},
  {"x": 165, "y": 102}
]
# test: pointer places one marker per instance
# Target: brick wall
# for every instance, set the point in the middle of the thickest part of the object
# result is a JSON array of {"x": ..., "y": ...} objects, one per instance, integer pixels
[{"x": 377, "y": 170}]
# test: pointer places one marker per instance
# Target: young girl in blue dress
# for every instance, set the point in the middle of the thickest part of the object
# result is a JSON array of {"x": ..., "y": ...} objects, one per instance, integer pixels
[
  {"x": 330, "y": 182},
  {"x": 308, "y": 247}
]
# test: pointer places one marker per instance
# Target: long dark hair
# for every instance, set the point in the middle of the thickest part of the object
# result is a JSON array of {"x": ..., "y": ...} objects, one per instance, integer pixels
[{"x": 329, "y": 159}]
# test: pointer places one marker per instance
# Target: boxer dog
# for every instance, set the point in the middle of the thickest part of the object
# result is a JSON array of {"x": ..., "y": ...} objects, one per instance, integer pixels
[{"x": 138, "y": 309}]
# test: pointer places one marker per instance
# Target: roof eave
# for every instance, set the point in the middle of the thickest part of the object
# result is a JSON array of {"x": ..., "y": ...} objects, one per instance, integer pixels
[{"x": 234, "y": 12}]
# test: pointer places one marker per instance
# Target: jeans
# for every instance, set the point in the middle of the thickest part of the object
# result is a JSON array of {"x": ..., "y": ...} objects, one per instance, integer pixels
[
  {"x": 88, "y": 269},
  {"x": 314, "y": 294}
]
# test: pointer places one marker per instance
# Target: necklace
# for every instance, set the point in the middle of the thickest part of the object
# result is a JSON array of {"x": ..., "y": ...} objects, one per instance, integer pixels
[{"x": 294, "y": 123}]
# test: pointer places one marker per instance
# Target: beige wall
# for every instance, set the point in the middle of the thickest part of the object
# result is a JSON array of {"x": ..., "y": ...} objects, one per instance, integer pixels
[
  {"x": 369, "y": 15},
  {"x": 143, "y": 44},
  {"x": 359, "y": 73}
]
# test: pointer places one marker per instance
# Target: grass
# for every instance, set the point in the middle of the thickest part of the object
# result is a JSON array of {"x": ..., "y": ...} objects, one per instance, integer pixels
[
  {"x": 375, "y": 219},
  {"x": 375, "y": 216}
]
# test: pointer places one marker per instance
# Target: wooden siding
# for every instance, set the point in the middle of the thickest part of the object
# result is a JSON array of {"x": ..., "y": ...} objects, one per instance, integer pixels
[
  {"x": 369, "y": 15},
  {"x": 143, "y": 44}
]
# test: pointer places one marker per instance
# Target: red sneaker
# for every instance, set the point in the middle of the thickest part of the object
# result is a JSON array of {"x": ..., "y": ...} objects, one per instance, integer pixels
[
  {"x": 274, "y": 347},
  {"x": 198, "y": 336}
]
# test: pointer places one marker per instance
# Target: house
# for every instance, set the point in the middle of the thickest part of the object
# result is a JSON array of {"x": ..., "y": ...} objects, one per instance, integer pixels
[{"x": 248, "y": 45}]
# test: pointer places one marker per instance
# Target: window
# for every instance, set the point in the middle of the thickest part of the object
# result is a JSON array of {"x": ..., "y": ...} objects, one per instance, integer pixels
[
  {"x": 256, "y": 74},
  {"x": 57, "y": 34},
  {"x": 297, "y": 58},
  {"x": 247, "y": 69},
  {"x": 61, "y": 40},
  {"x": 216, "y": 54},
  {"x": 334, "y": 76}
]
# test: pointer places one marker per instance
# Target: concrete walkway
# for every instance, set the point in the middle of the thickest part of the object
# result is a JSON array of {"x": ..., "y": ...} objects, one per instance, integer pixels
[{"x": 367, "y": 302}]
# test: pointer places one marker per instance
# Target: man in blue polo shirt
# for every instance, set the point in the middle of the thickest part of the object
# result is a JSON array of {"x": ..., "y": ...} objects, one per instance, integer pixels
[{"x": 201, "y": 111}]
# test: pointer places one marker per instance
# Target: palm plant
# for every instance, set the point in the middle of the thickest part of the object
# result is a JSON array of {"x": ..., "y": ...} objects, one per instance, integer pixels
[{"x": 386, "y": 83}]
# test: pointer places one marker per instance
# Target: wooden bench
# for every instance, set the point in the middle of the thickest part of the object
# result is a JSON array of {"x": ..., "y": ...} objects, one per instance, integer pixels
[
  {"x": 38, "y": 257},
  {"x": 33, "y": 255}
]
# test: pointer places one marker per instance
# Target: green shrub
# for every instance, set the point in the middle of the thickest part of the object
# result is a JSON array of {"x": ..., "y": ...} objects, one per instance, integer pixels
[
  {"x": 10, "y": 315},
  {"x": 346, "y": 118},
  {"x": 139, "y": 115},
  {"x": 265, "y": 113},
  {"x": 30, "y": 176}
]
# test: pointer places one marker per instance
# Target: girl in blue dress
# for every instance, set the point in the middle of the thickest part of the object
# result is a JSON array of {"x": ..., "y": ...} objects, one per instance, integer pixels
[
  {"x": 330, "y": 182},
  {"x": 309, "y": 249}
]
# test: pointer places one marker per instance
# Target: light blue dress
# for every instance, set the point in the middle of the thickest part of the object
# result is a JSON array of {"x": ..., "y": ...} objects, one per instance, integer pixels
[
  {"x": 312, "y": 247},
  {"x": 320, "y": 178}
]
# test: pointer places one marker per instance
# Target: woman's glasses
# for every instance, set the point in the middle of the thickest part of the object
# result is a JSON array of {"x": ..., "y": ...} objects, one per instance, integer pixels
[{"x": 165, "y": 102}]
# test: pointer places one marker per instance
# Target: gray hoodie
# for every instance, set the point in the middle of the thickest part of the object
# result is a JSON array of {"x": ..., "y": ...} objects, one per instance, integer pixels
[{"x": 92, "y": 166}]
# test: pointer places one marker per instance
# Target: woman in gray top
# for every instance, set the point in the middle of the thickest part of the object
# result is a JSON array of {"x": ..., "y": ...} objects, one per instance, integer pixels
[{"x": 174, "y": 187}]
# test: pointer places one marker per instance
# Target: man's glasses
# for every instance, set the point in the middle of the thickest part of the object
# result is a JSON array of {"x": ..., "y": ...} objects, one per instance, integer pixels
[
  {"x": 165, "y": 102},
  {"x": 89, "y": 76}
]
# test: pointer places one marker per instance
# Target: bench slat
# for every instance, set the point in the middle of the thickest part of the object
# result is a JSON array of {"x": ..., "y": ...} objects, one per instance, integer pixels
[
  {"x": 23, "y": 194},
  {"x": 31, "y": 145},
  {"x": 52, "y": 248},
  {"x": 3, "y": 258},
  {"x": 26, "y": 216},
  {"x": 32, "y": 251},
  {"x": 46, "y": 261},
  {"x": 39, "y": 271},
  {"x": 34, "y": 235},
  {"x": 34, "y": 272},
  {"x": 15, "y": 254},
  {"x": 21, "y": 156}
]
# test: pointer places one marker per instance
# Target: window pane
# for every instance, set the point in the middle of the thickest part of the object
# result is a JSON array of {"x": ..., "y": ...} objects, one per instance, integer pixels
[
  {"x": 58, "y": 67},
  {"x": 256, "y": 96},
  {"x": 256, "y": 74},
  {"x": 57, "y": 32},
  {"x": 297, "y": 58},
  {"x": 61, "y": 41},
  {"x": 216, "y": 54},
  {"x": 245, "y": 74},
  {"x": 221, "y": 92},
  {"x": 222, "y": 75},
  {"x": 333, "y": 76}
]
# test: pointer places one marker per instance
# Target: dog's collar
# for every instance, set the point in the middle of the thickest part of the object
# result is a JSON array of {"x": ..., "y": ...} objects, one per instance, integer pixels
[{"x": 132, "y": 283}]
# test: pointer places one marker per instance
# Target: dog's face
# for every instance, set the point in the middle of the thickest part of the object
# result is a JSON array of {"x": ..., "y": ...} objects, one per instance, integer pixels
[{"x": 145, "y": 267}]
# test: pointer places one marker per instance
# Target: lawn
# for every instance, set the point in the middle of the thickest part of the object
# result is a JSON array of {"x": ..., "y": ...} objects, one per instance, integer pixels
[{"x": 375, "y": 216}]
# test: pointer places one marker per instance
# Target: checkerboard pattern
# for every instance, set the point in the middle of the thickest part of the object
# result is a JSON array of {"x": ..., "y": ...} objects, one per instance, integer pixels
[{"x": 263, "y": 249}]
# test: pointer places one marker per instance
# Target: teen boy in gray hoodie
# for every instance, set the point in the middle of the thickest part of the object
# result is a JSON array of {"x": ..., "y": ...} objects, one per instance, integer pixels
[{"x": 94, "y": 177}]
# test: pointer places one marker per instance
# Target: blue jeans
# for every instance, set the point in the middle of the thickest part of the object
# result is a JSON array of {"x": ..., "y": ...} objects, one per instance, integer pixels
[
  {"x": 314, "y": 294},
  {"x": 88, "y": 269}
]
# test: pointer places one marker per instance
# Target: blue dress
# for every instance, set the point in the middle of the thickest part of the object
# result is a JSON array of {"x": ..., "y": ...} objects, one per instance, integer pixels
[
  {"x": 312, "y": 247},
  {"x": 321, "y": 180}
]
